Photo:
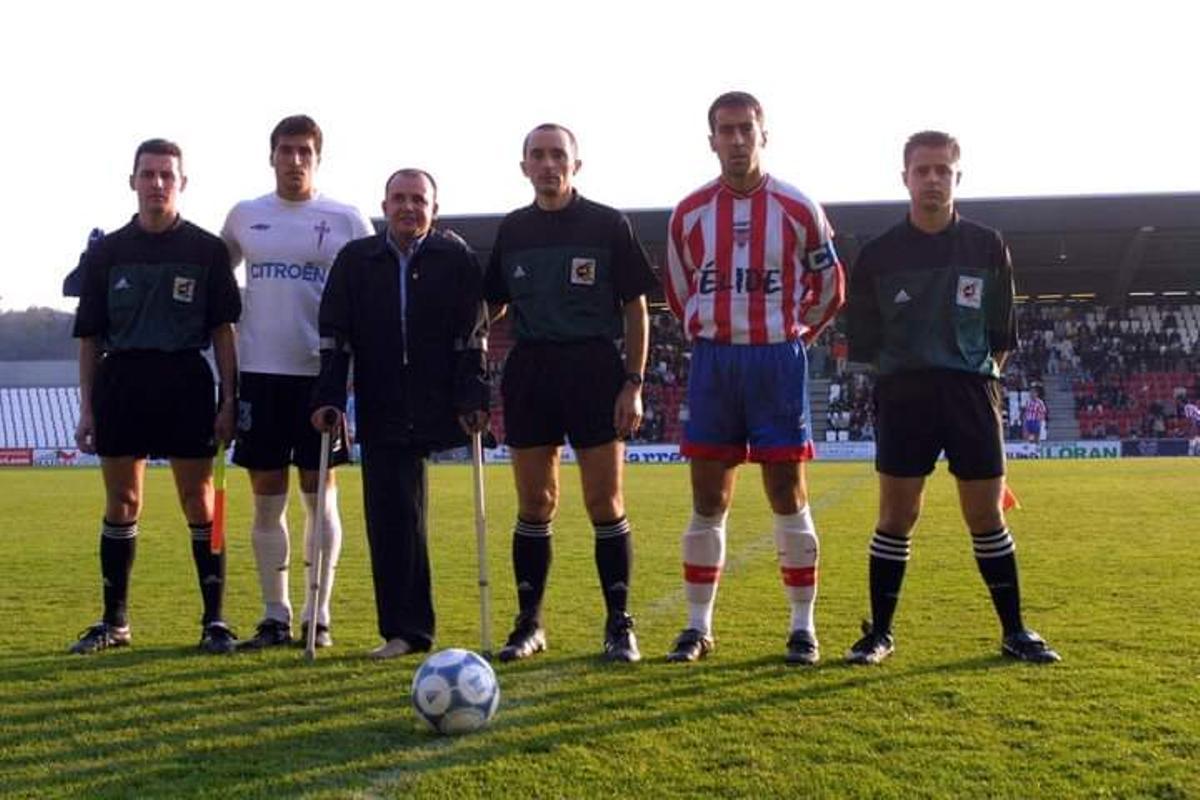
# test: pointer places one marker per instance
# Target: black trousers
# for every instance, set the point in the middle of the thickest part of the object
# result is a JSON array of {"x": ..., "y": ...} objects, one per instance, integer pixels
[{"x": 394, "y": 498}]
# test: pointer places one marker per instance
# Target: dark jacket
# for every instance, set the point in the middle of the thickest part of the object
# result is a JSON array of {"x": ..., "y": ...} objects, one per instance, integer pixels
[{"x": 413, "y": 377}]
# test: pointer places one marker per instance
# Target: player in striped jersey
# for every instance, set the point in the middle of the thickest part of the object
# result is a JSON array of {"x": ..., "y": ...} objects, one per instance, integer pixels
[
  {"x": 754, "y": 277},
  {"x": 1035, "y": 417},
  {"x": 1191, "y": 411}
]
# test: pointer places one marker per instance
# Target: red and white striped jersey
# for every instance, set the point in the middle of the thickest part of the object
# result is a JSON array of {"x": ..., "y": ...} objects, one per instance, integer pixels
[
  {"x": 1035, "y": 409},
  {"x": 756, "y": 268}
]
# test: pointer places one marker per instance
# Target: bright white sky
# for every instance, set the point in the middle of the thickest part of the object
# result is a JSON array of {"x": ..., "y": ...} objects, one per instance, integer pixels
[{"x": 1048, "y": 97}]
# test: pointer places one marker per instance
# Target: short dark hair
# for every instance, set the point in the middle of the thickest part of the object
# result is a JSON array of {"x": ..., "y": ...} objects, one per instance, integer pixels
[
  {"x": 931, "y": 139},
  {"x": 735, "y": 100},
  {"x": 550, "y": 126},
  {"x": 298, "y": 125},
  {"x": 411, "y": 172},
  {"x": 158, "y": 147}
]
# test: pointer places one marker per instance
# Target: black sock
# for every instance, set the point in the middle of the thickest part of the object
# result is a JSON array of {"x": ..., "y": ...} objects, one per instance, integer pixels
[
  {"x": 118, "y": 546},
  {"x": 614, "y": 558},
  {"x": 995, "y": 553},
  {"x": 210, "y": 571},
  {"x": 531, "y": 564},
  {"x": 889, "y": 558}
]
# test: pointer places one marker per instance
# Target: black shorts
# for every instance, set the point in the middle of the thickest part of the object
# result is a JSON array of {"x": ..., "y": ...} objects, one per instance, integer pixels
[
  {"x": 920, "y": 414},
  {"x": 553, "y": 390},
  {"x": 274, "y": 424},
  {"x": 157, "y": 404}
]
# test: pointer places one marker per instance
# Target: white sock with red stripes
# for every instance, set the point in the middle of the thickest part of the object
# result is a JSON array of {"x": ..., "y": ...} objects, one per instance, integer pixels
[
  {"x": 703, "y": 557},
  {"x": 796, "y": 543}
]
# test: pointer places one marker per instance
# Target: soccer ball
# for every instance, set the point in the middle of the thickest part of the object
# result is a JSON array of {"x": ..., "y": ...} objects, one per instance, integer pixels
[{"x": 455, "y": 691}]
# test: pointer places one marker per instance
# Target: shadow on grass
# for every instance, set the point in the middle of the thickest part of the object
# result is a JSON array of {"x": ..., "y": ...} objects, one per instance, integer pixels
[{"x": 257, "y": 726}]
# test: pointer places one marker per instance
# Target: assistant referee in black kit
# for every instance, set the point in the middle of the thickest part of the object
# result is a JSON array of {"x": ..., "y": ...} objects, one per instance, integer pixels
[
  {"x": 156, "y": 293},
  {"x": 931, "y": 306}
]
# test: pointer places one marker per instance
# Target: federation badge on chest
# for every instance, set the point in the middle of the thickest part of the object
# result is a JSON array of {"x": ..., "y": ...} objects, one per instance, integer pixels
[
  {"x": 184, "y": 290},
  {"x": 970, "y": 291},
  {"x": 583, "y": 272}
]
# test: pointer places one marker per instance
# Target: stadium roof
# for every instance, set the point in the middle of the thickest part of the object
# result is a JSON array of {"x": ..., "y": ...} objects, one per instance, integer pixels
[{"x": 1111, "y": 247}]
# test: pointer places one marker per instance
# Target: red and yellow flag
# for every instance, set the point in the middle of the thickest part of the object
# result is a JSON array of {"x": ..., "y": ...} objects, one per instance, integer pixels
[{"x": 1009, "y": 501}]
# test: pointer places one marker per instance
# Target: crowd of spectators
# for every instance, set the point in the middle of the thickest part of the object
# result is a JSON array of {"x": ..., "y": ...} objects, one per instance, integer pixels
[
  {"x": 669, "y": 360},
  {"x": 1133, "y": 370},
  {"x": 849, "y": 415},
  {"x": 1092, "y": 342},
  {"x": 667, "y": 366}
]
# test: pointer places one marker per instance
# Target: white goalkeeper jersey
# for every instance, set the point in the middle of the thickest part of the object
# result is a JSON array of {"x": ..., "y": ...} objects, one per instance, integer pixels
[
  {"x": 754, "y": 268},
  {"x": 288, "y": 248}
]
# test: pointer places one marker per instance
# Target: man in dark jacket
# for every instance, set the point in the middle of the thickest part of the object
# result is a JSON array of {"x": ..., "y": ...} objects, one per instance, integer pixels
[{"x": 406, "y": 306}]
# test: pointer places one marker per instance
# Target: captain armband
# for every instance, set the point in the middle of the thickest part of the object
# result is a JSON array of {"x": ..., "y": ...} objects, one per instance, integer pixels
[{"x": 822, "y": 258}]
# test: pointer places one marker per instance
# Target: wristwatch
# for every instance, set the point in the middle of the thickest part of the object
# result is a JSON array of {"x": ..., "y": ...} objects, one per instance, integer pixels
[{"x": 633, "y": 377}]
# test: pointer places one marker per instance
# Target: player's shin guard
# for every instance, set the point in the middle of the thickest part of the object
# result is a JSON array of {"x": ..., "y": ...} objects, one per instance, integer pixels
[
  {"x": 889, "y": 559},
  {"x": 995, "y": 554},
  {"x": 210, "y": 571},
  {"x": 531, "y": 555},
  {"x": 269, "y": 536},
  {"x": 118, "y": 546},
  {"x": 331, "y": 550},
  {"x": 614, "y": 559},
  {"x": 798, "y": 549},
  {"x": 703, "y": 558}
]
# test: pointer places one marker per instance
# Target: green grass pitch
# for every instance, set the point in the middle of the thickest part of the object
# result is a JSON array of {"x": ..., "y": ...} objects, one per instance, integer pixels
[{"x": 1108, "y": 554}]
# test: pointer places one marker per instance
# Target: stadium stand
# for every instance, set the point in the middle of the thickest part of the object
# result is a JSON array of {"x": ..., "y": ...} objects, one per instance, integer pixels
[
  {"x": 39, "y": 416},
  {"x": 665, "y": 394}
]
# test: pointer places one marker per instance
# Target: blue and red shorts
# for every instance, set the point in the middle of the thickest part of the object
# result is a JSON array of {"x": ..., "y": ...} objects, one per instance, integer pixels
[{"x": 748, "y": 402}]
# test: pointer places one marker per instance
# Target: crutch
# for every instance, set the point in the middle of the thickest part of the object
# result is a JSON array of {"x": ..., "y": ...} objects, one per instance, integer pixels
[
  {"x": 318, "y": 539},
  {"x": 485, "y": 606}
]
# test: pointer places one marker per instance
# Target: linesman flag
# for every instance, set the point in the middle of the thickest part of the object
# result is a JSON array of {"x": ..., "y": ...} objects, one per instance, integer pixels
[
  {"x": 217, "y": 543},
  {"x": 1009, "y": 501}
]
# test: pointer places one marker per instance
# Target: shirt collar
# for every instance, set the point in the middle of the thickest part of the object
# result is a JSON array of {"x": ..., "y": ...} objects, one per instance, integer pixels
[
  {"x": 950, "y": 229},
  {"x": 737, "y": 193},
  {"x": 137, "y": 226},
  {"x": 403, "y": 252},
  {"x": 571, "y": 205}
]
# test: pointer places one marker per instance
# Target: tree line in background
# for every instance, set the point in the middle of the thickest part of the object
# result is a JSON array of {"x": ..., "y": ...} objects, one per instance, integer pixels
[{"x": 37, "y": 334}]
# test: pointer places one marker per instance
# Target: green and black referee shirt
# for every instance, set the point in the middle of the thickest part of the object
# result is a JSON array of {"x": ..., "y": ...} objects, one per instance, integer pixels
[
  {"x": 922, "y": 301},
  {"x": 156, "y": 291},
  {"x": 566, "y": 274}
]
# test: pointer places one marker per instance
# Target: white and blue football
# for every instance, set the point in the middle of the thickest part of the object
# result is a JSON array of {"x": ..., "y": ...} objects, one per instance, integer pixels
[{"x": 455, "y": 691}]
